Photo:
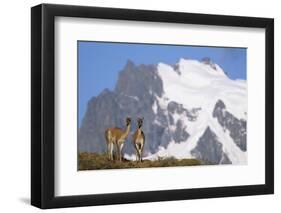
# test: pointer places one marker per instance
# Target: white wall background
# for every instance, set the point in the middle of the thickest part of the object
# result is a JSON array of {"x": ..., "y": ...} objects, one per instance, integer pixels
[{"x": 15, "y": 105}]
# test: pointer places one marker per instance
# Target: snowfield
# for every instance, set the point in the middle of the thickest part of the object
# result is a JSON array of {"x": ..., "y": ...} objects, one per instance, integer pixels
[{"x": 198, "y": 85}]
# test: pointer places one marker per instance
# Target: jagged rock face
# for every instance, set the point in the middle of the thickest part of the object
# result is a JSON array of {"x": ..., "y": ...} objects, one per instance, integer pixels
[
  {"x": 237, "y": 128},
  {"x": 139, "y": 81},
  {"x": 99, "y": 109},
  {"x": 209, "y": 62},
  {"x": 134, "y": 96},
  {"x": 209, "y": 149},
  {"x": 180, "y": 134}
]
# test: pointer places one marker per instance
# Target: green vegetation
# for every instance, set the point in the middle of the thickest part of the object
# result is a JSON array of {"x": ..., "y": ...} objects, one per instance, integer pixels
[{"x": 90, "y": 161}]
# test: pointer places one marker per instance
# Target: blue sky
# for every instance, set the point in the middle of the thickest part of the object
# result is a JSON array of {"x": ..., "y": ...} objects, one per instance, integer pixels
[{"x": 100, "y": 62}]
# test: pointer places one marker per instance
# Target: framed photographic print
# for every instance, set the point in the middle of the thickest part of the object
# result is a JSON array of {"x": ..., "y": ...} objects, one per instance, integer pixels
[{"x": 139, "y": 106}]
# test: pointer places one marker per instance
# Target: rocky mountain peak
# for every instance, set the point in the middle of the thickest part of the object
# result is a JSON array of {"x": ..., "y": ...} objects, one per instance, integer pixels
[
  {"x": 219, "y": 106},
  {"x": 237, "y": 127},
  {"x": 208, "y": 61},
  {"x": 138, "y": 80},
  {"x": 129, "y": 65}
]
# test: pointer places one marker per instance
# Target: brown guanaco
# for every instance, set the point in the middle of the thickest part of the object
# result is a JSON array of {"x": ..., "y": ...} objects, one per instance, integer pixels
[
  {"x": 116, "y": 136},
  {"x": 139, "y": 140}
]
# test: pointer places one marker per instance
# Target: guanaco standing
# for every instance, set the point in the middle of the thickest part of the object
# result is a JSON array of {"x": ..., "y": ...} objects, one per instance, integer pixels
[
  {"x": 139, "y": 140},
  {"x": 116, "y": 136}
]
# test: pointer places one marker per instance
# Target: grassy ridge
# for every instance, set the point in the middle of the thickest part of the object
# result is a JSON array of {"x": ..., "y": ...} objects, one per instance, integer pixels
[{"x": 90, "y": 161}]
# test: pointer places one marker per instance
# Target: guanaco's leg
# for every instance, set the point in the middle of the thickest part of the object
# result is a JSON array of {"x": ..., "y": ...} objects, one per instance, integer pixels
[
  {"x": 108, "y": 151},
  {"x": 111, "y": 151},
  {"x": 138, "y": 151},
  {"x": 121, "y": 148},
  {"x": 141, "y": 149},
  {"x": 109, "y": 141},
  {"x": 137, "y": 155},
  {"x": 118, "y": 151}
]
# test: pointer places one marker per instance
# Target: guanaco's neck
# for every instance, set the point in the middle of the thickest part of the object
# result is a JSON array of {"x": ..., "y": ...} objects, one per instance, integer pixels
[
  {"x": 127, "y": 130},
  {"x": 139, "y": 131}
]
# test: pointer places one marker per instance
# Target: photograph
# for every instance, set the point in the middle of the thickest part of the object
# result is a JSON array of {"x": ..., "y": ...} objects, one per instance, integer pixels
[
  {"x": 146, "y": 105},
  {"x": 140, "y": 105}
]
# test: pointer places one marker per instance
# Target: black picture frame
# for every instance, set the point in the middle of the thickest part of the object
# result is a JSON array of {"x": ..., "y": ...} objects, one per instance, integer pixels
[{"x": 43, "y": 102}]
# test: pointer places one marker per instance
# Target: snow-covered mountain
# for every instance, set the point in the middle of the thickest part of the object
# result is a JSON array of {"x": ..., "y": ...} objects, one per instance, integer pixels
[{"x": 191, "y": 110}]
